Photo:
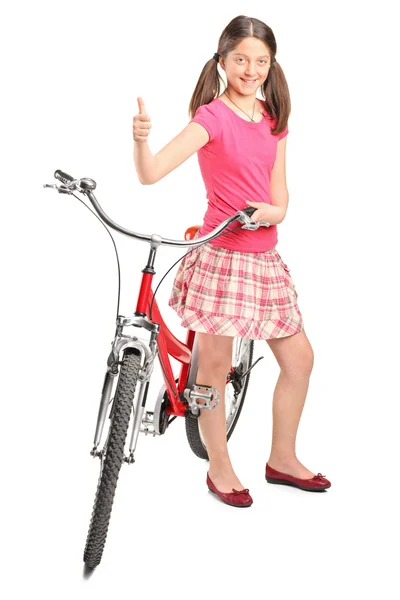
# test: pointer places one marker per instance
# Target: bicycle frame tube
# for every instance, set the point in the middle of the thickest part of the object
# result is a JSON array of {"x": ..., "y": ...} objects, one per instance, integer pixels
[{"x": 168, "y": 345}]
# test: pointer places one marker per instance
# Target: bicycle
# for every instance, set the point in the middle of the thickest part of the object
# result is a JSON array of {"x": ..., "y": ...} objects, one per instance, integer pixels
[{"x": 178, "y": 397}]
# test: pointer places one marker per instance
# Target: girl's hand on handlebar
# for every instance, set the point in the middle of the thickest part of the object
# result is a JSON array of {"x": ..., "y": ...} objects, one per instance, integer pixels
[
  {"x": 266, "y": 212},
  {"x": 141, "y": 123}
]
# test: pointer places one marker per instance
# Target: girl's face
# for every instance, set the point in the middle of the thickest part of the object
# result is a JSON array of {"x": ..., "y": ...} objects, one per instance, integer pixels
[{"x": 247, "y": 66}]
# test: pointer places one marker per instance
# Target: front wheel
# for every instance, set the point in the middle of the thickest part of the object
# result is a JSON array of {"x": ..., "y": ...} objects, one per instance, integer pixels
[
  {"x": 235, "y": 392},
  {"x": 113, "y": 456}
]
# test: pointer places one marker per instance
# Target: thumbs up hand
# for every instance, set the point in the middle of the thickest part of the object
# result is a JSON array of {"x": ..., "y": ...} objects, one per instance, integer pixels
[{"x": 141, "y": 123}]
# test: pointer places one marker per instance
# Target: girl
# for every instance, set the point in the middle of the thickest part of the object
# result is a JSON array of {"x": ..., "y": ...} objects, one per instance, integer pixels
[{"x": 237, "y": 284}]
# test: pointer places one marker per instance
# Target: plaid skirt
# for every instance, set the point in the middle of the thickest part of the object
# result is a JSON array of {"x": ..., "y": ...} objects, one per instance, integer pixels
[{"x": 233, "y": 293}]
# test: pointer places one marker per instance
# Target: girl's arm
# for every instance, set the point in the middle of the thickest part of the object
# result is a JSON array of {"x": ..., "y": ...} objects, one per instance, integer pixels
[
  {"x": 278, "y": 187},
  {"x": 151, "y": 169},
  {"x": 275, "y": 212}
]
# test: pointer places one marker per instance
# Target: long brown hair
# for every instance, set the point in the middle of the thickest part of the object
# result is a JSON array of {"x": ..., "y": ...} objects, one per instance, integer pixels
[{"x": 274, "y": 90}]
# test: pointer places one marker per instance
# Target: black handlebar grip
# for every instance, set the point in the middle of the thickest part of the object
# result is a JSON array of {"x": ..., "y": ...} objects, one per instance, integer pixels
[
  {"x": 248, "y": 210},
  {"x": 63, "y": 177}
]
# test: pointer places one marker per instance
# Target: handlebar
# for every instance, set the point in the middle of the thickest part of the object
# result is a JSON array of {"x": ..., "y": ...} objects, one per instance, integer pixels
[{"x": 87, "y": 185}]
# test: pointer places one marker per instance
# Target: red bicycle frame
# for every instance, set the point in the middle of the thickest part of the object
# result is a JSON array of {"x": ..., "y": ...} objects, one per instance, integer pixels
[{"x": 167, "y": 343}]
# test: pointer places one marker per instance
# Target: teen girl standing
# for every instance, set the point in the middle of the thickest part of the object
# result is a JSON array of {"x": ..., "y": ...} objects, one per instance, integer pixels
[{"x": 237, "y": 284}]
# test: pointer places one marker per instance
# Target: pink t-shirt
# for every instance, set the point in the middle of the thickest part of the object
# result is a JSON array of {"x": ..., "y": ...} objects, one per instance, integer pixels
[{"x": 236, "y": 165}]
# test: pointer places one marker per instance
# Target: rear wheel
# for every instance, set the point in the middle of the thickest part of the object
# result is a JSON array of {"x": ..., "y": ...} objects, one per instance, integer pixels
[
  {"x": 235, "y": 392},
  {"x": 113, "y": 456}
]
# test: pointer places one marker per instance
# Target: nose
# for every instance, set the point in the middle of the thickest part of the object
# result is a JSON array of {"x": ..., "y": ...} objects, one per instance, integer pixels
[{"x": 251, "y": 69}]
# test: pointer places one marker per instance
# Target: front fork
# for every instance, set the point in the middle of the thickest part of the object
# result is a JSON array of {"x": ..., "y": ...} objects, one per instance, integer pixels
[{"x": 148, "y": 355}]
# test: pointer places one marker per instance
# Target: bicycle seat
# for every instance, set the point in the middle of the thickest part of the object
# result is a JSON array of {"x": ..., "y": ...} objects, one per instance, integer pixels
[{"x": 191, "y": 232}]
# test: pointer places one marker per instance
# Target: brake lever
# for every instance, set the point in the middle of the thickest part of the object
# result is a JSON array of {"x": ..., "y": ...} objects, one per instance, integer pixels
[
  {"x": 63, "y": 189},
  {"x": 248, "y": 223},
  {"x": 255, "y": 225}
]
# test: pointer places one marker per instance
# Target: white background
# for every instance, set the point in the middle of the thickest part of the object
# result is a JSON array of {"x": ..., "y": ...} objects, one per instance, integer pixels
[{"x": 71, "y": 74}]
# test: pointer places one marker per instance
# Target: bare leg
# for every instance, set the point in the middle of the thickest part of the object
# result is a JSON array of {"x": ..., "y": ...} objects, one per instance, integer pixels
[
  {"x": 215, "y": 359},
  {"x": 295, "y": 357}
]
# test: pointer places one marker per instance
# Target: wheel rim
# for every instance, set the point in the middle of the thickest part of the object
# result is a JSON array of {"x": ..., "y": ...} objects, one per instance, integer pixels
[{"x": 233, "y": 399}]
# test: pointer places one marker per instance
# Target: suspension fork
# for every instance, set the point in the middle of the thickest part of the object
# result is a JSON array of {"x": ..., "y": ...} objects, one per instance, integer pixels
[{"x": 148, "y": 355}]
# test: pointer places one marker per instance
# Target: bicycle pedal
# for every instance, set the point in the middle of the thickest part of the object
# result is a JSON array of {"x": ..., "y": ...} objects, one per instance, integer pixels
[{"x": 198, "y": 399}]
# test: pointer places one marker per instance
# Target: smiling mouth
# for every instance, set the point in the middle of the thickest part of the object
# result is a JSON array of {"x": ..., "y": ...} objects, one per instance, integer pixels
[{"x": 249, "y": 81}]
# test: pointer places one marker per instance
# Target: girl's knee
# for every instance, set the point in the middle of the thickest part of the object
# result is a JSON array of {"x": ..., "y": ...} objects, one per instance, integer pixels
[
  {"x": 307, "y": 361},
  {"x": 215, "y": 352},
  {"x": 301, "y": 365},
  {"x": 294, "y": 354}
]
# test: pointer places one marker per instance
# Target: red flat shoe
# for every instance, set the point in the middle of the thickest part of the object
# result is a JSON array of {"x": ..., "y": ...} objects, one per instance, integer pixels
[
  {"x": 240, "y": 498},
  {"x": 318, "y": 483}
]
